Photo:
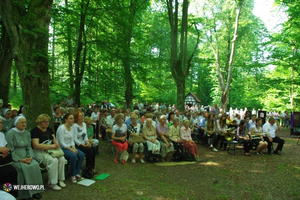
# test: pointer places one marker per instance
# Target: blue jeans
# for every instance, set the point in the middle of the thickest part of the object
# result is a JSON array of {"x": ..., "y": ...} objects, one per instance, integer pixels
[{"x": 75, "y": 160}]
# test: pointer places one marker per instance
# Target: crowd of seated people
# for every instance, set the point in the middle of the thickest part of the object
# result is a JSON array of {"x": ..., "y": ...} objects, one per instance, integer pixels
[{"x": 149, "y": 133}]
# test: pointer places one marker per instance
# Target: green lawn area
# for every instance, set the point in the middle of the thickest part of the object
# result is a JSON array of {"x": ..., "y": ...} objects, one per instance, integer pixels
[{"x": 220, "y": 176}]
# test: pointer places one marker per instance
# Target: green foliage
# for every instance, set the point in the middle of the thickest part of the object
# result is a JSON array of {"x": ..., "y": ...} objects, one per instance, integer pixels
[{"x": 258, "y": 81}]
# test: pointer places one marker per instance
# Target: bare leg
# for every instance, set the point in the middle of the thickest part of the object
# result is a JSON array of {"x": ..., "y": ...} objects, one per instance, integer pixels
[
  {"x": 141, "y": 155},
  {"x": 124, "y": 154},
  {"x": 133, "y": 155}
]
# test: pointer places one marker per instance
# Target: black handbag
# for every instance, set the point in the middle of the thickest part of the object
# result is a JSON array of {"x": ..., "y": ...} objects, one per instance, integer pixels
[
  {"x": 5, "y": 161},
  {"x": 87, "y": 172}
]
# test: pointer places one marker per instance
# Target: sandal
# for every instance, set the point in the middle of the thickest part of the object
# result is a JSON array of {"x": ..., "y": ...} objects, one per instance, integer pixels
[{"x": 116, "y": 160}]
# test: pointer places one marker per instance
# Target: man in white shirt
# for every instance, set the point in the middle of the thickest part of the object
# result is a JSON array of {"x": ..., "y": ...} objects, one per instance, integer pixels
[
  {"x": 105, "y": 105},
  {"x": 111, "y": 118},
  {"x": 140, "y": 105},
  {"x": 70, "y": 101},
  {"x": 270, "y": 128}
]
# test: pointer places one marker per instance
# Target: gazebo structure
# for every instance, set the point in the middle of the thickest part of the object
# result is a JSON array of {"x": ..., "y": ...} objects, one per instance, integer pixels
[{"x": 191, "y": 100}]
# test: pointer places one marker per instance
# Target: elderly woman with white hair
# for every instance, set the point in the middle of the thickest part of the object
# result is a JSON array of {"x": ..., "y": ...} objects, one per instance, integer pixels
[
  {"x": 188, "y": 143},
  {"x": 174, "y": 135},
  {"x": 167, "y": 147},
  {"x": 19, "y": 143},
  {"x": 136, "y": 138},
  {"x": 150, "y": 136}
]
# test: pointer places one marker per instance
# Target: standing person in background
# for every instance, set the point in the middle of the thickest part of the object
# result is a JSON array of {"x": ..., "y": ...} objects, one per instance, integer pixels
[
  {"x": 70, "y": 101},
  {"x": 63, "y": 102},
  {"x": 253, "y": 112},
  {"x": 105, "y": 105},
  {"x": 140, "y": 105},
  {"x": 215, "y": 109}
]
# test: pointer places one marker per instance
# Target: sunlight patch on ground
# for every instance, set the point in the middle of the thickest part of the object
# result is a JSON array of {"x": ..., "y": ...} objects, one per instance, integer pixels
[
  {"x": 210, "y": 163},
  {"x": 257, "y": 171}
]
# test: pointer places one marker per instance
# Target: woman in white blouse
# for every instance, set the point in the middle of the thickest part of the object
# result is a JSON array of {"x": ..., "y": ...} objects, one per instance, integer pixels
[
  {"x": 65, "y": 137},
  {"x": 82, "y": 141}
]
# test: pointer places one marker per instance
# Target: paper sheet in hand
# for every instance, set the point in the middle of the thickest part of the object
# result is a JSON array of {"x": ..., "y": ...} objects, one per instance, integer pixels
[{"x": 86, "y": 182}]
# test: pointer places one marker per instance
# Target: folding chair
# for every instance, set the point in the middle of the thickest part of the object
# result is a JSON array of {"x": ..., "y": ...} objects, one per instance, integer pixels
[{"x": 109, "y": 140}]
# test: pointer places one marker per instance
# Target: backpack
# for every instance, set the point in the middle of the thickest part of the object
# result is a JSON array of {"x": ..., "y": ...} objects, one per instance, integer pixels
[{"x": 87, "y": 172}]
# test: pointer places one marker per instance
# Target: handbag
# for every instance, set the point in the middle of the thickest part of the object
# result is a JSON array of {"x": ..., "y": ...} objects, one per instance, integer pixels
[
  {"x": 5, "y": 161},
  {"x": 87, "y": 172},
  {"x": 136, "y": 139},
  {"x": 55, "y": 153}
]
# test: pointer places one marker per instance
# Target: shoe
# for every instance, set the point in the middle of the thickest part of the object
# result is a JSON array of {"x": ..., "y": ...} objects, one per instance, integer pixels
[
  {"x": 214, "y": 149},
  {"x": 211, "y": 146},
  {"x": 73, "y": 179},
  {"x": 142, "y": 161},
  {"x": 261, "y": 153},
  {"x": 124, "y": 162},
  {"x": 247, "y": 154},
  {"x": 62, "y": 184},
  {"x": 133, "y": 160},
  {"x": 198, "y": 159},
  {"x": 37, "y": 196},
  {"x": 277, "y": 153},
  {"x": 55, "y": 187},
  {"x": 257, "y": 153},
  {"x": 78, "y": 177},
  {"x": 116, "y": 160},
  {"x": 95, "y": 172}
]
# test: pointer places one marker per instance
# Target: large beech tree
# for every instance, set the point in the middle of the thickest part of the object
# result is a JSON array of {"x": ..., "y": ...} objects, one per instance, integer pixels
[
  {"x": 224, "y": 72},
  {"x": 6, "y": 58},
  {"x": 180, "y": 63},
  {"x": 27, "y": 25}
]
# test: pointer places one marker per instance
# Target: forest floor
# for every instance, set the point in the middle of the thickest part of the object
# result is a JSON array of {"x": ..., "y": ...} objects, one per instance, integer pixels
[{"x": 220, "y": 176}]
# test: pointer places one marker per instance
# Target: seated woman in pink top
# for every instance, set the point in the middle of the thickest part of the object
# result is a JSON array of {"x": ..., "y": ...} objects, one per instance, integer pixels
[{"x": 188, "y": 143}]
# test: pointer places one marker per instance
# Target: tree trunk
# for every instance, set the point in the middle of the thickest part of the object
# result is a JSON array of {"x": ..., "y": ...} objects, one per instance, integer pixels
[
  {"x": 128, "y": 83},
  {"x": 180, "y": 94},
  {"x": 80, "y": 66},
  {"x": 6, "y": 57},
  {"x": 179, "y": 62},
  {"x": 15, "y": 76},
  {"x": 70, "y": 53},
  {"x": 221, "y": 79},
  {"x": 28, "y": 28}
]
